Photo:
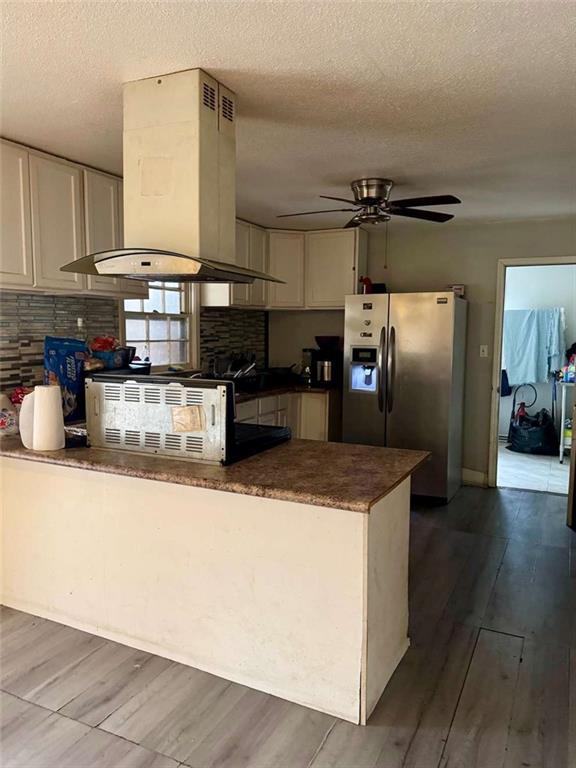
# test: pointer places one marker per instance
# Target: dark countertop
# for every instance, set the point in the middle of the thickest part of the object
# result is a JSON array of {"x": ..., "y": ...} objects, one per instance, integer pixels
[{"x": 337, "y": 475}]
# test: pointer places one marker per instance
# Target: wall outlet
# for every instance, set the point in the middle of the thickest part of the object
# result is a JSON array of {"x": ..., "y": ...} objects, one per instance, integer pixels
[{"x": 483, "y": 350}]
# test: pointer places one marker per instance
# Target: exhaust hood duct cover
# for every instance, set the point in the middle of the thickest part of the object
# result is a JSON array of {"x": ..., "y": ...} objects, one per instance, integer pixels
[
  {"x": 179, "y": 184},
  {"x": 150, "y": 264}
]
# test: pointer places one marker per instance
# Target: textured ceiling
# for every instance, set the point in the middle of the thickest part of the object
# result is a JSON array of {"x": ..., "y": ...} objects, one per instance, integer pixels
[{"x": 475, "y": 99}]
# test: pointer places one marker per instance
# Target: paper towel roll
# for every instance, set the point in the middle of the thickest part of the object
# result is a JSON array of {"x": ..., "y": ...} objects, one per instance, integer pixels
[{"x": 42, "y": 419}]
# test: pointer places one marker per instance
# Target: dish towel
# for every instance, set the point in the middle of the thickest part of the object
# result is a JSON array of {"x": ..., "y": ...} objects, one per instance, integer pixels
[{"x": 533, "y": 344}]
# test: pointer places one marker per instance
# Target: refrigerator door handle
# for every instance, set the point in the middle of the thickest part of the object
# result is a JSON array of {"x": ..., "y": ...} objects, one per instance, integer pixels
[
  {"x": 381, "y": 372},
  {"x": 391, "y": 369}
]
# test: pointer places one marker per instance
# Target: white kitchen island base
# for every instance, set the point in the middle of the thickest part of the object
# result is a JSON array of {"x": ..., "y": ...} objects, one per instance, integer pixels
[{"x": 305, "y": 602}]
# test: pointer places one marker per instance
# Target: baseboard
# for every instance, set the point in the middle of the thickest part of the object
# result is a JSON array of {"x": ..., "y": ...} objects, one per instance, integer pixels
[{"x": 474, "y": 477}]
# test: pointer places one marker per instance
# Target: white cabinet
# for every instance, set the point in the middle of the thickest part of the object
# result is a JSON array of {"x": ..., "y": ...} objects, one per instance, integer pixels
[
  {"x": 314, "y": 412},
  {"x": 286, "y": 262},
  {"x": 258, "y": 260},
  {"x": 54, "y": 212},
  {"x": 268, "y": 419},
  {"x": 251, "y": 252},
  {"x": 335, "y": 261},
  {"x": 57, "y": 221},
  {"x": 102, "y": 222},
  {"x": 247, "y": 412},
  {"x": 15, "y": 234},
  {"x": 320, "y": 268},
  {"x": 310, "y": 415},
  {"x": 240, "y": 290}
]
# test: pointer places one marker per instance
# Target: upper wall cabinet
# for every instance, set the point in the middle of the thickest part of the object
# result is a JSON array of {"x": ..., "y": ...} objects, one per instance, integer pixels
[
  {"x": 104, "y": 231},
  {"x": 258, "y": 260},
  {"x": 57, "y": 216},
  {"x": 240, "y": 291},
  {"x": 286, "y": 262},
  {"x": 54, "y": 212},
  {"x": 251, "y": 252},
  {"x": 102, "y": 217},
  {"x": 15, "y": 234},
  {"x": 335, "y": 261}
]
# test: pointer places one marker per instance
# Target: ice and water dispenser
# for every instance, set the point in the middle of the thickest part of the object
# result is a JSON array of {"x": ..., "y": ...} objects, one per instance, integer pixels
[{"x": 364, "y": 369}]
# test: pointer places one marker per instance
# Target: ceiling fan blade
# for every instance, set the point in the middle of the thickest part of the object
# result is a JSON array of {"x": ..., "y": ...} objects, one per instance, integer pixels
[
  {"x": 352, "y": 223},
  {"x": 422, "y": 201},
  {"x": 426, "y": 215},
  {"x": 340, "y": 199},
  {"x": 311, "y": 213}
]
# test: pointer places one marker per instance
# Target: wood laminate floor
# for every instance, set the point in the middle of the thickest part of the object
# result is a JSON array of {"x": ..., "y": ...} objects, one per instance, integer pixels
[{"x": 488, "y": 682}]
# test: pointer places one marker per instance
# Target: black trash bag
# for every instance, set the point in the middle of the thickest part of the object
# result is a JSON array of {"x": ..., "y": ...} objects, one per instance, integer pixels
[{"x": 534, "y": 434}]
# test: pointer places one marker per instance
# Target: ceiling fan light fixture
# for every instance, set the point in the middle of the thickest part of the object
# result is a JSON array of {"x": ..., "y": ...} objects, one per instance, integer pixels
[
  {"x": 371, "y": 191},
  {"x": 373, "y": 204}
]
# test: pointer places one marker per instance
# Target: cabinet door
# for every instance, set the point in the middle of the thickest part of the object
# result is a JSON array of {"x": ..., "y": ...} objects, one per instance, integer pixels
[
  {"x": 259, "y": 261},
  {"x": 269, "y": 419},
  {"x": 101, "y": 219},
  {"x": 134, "y": 289},
  {"x": 286, "y": 262},
  {"x": 314, "y": 416},
  {"x": 57, "y": 232},
  {"x": 15, "y": 235},
  {"x": 240, "y": 290},
  {"x": 293, "y": 413},
  {"x": 330, "y": 267},
  {"x": 247, "y": 412}
]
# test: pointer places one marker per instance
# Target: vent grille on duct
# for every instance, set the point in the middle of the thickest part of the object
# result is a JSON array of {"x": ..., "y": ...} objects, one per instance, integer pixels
[
  {"x": 228, "y": 108},
  {"x": 209, "y": 96}
]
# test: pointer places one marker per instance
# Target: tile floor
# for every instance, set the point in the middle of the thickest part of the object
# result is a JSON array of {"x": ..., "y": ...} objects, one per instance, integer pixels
[{"x": 532, "y": 473}]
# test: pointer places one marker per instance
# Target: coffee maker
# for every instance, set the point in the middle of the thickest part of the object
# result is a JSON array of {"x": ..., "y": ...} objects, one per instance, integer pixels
[{"x": 323, "y": 366}]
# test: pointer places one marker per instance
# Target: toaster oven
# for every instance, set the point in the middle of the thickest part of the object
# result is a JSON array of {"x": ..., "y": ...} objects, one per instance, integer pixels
[{"x": 190, "y": 419}]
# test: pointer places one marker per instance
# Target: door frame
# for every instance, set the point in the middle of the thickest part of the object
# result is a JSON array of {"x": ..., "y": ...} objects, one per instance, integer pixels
[{"x": 503, "y": 266}]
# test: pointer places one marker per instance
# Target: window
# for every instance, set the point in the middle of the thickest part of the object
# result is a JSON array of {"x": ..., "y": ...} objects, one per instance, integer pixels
[{"x": 160, "y": 327}]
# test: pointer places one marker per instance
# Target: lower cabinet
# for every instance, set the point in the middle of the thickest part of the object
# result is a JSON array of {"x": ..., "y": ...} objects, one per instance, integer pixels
[
  {"x": 310, "y": 415},
  {"x": 313, "y": 423}
]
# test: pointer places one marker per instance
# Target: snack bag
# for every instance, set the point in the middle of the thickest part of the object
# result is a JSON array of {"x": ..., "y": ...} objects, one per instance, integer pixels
[{"x": 64, "y": 365}]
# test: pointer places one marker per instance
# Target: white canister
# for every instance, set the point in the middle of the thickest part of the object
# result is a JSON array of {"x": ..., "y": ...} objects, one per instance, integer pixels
[{"x": 42, "y": 419}]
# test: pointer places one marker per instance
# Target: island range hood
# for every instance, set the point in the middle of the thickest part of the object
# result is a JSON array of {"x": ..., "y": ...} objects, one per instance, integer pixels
[{"x": 179, "y": 185}]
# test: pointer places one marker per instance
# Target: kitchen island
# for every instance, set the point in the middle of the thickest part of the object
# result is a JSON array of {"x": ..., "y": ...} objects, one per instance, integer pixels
[{"x": 286, "y": 572}]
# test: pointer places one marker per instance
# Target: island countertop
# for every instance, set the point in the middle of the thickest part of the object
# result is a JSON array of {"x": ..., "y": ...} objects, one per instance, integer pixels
[{"x": 337, "y": 475}]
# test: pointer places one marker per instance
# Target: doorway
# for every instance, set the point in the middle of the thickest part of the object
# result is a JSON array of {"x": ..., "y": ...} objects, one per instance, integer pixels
[{"x": 531, "y": 427}]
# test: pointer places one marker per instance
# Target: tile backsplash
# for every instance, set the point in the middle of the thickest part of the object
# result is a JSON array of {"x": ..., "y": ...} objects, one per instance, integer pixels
[
  {"x": 223, "y": 331},
  {"x": 25, "y": 319}
]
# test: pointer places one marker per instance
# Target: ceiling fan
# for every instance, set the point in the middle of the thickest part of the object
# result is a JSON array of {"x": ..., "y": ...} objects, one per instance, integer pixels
[{"x": 372, "y": 204}]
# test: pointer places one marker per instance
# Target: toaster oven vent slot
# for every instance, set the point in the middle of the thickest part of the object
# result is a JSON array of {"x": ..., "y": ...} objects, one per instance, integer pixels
[
  {"x": 152, "y": 395},
  {"x": 194, "y": 444},
  {"x": 228, "y": 108},
  {"x": 194, "y": 397},
  {"x": 131, "y": 394},
  {"x": 113, "y": 435},
  {"x": 209, "y": 96},
  {"x": 112, "y": 392},
  {"x": 173, "y": 442},
  {"x": 131, "y": 437},
  {"x": 173, "y": 396},
  {"x": 151, "y": 440}
]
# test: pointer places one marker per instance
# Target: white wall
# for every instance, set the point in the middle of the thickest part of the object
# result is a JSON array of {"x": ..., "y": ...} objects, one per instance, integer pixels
[
  {"x": 427, "y": 257},
  {"x": 540, "y": 288}
]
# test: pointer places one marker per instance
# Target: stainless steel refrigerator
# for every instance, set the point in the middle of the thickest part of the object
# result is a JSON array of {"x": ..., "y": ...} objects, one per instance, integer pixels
[{"x": 404, "y": 380}]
